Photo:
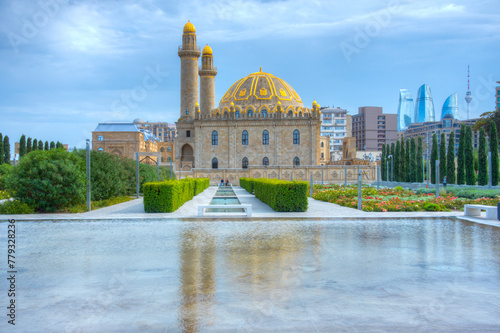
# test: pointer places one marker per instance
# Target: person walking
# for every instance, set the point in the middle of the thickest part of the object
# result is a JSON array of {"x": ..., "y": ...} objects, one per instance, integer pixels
[{"x": 444, "y": 181}]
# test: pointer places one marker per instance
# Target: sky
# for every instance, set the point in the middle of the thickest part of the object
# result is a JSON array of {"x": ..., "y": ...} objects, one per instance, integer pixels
[{"x": 67, "y": 65}]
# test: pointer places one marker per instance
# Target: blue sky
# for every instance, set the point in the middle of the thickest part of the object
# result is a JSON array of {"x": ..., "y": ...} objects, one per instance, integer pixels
[{"x": 69, "y": 64}]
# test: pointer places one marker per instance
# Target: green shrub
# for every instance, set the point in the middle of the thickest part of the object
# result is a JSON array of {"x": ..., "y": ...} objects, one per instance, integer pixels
[
  {"x": 168, "y": 196},
  {"x": 15, "y": 207},
  {"x": 398, "y": 188},
  {"x": 282, "y": 195},
  {"x": 5, "y": 171},
  {"x": 4, "y": 195},
  {"x": 472, "y": 193},
  {"x": 247, "y": 184},
  {"x": 434, "y": 207},
  {"x": 48, "y": 180}
]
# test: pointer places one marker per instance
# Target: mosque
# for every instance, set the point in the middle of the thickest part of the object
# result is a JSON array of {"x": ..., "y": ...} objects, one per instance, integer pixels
[{"x": 260, "y": 121}]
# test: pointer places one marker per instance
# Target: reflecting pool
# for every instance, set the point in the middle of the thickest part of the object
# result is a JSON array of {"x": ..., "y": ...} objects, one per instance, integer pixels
[{"x": 260, "y": 276}]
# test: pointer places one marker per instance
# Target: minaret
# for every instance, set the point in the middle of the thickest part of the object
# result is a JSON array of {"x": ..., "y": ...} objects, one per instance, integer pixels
[
  {"x": 189, "y": 54},
  {"x": 207, "y": 81},
  {"x": 468, "y": 96}
]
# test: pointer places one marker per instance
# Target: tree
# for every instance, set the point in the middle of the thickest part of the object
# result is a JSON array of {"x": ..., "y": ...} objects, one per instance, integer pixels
[
  {"x": 434, "y": 157},
  {"x": 59, "y": 145},
  {"x": 408, "y": 161},
  {"x": 469, "y": 157},
  {"x": 46, "y": 147},
  {"x": 29, "y": 145},
  {"x": 1, "y": 149},
  {"x": 48, "y": 180},
  {"x": 402, "y": 166},
  {"x": 52, "y": 145},
  {"x": 22, "y": 146},
  {"x": 382, "y": 163},
  {"x": 482, "y": 177},
  {"x": 413, "y": 160},
  {"x": 494, "y": 153},
  {"x": 420, "y": 160},
  {"x": 40, "y": 145},
  {"x": 450, "y": 159},
  {"x": 393, "y": 153},
  {"x": 397, "y": 161},
  {"x": 485, "y": 122},
  {"x": 442, "y": 158},
  {"x": 6, "y": 149},
  {"x": 461, "y": 157},
  {"x": 35, "y": 145}
]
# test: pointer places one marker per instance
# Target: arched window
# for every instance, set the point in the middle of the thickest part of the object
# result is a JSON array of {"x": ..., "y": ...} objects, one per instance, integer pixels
[
  {"x": 265, "y": 137},
  {"x": 100, "y": 149},
  {"x": 265, "y": 161},
  {"x": 250, "y": 113},
  {"x": 215, "y": 138},
  {"x": 244, "y": 138},
  {"x": 263, "y": 113},
  {"x": 169, "y": 149},
  {"x": 290, "y": 113},
  {"x": 215, "y": 163},
  {"x": 322, "y": 144},
  {"x": 296, "y": 161},
  {"x": 237, "y": 114},
  {"x": 296, "y": 137},
  {"x": 162, "y": 149},
  {"x": 244, "y": 163}
]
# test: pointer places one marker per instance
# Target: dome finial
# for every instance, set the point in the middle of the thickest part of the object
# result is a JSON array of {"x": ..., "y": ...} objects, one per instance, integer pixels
[{"x": 261, "y": 69}]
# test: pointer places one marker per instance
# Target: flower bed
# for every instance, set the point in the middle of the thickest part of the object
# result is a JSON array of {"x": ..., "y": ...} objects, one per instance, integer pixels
[{"x": 395, "y": 200}]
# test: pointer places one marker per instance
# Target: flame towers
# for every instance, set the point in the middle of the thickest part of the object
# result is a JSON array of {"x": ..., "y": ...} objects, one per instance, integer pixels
[
  {"x": 405, "y": 109},
  {"x": 450, "y": 107},
  {"x": 424, "y": 108}
]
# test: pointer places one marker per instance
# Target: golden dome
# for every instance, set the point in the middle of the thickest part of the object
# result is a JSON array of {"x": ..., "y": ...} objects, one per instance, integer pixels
[
  {"x": 261, "y": 89},
  {"x": 189, "y": 28},
  {"x": 207, "y": 50}
]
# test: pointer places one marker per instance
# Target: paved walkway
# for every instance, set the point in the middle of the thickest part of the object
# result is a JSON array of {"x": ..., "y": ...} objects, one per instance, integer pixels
[{"x": 317, "y": 209}]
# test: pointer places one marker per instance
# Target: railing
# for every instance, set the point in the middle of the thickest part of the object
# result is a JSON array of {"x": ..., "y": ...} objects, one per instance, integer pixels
[{"x": 188, "y": 47}]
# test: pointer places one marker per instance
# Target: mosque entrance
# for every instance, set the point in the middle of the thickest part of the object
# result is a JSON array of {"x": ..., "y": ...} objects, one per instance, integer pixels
[{"x": 187, "y": 157}]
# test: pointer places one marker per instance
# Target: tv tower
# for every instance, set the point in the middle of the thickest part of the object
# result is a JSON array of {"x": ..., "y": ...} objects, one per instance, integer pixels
[{"x": 468, "y": 95}]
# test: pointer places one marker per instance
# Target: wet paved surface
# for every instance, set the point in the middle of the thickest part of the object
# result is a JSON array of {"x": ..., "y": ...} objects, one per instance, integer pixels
[{"x": 316, "y": 209}]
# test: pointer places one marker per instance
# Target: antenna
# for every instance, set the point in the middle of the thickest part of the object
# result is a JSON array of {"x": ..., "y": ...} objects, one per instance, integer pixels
[{"x": 468, "y": 95}]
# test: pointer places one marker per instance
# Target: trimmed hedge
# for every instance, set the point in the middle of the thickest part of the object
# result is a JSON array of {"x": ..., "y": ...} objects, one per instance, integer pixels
[
  {"x": 247, "y": 184},
  {"x": 168, "y": 196},
  {"x": 281, "y": 195}
]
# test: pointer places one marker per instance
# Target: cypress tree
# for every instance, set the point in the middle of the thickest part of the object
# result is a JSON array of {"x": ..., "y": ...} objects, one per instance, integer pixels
[
  {"x": 450, "y": 159},
  {"x": 402, "y": 164},
  {"x": 6, "y": 149},
  {"x": 29, "y": 145},
  {"x": 40, "y": 145},
  {"x": 52, "y": 145},
  {"x": 46, "y": 147},
  {"x": 494, "y": 153},
  {"x": 393, "y": 153},
  {"x": 413, "y": 159},
  {"x": 420, "y": 160},
  {"x": 35, "y": 145},
  {"x": 1, "y": 149},
  {"x": 408, "y": 161},
  {"x": 482, "y": 177},
  {"x": 396, "y": 161},
  {"x": 434, "y": 157},
  {"x": 469, "y": 157},
  {"x": 59, "y": 145},
  {"x": 442, "y": 158},
  {"x": 382, "y": 163},
  {"x": 461, "y": 157},
  {"x": 22, "y": 146}
]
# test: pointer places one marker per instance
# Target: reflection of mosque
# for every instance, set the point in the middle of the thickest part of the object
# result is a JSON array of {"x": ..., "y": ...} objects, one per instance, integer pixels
[{"x": 262, "y": 265}]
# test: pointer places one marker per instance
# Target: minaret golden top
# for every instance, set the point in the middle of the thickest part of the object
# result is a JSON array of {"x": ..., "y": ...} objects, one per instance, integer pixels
[
  {"x": 189, "y": 28},
  {"x": 207, "y": 51}
]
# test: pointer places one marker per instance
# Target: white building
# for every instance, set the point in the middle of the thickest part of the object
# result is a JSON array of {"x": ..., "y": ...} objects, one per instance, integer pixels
[{"x": 336, "y": 124}]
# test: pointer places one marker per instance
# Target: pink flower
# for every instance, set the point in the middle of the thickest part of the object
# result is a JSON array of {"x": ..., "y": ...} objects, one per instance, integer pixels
[{"x": 384, "y": 210}]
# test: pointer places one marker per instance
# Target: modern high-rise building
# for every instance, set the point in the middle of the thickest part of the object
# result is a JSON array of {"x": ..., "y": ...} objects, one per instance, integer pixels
[
  {"x": 336, "y": 125},
  {"x": 164, "y": 132},
  {"x": 372, "y": 128},
  {"x": 406, "y": 109},
  {"x": 424, "y": 107},
  {"x": 450, "y": 106}
]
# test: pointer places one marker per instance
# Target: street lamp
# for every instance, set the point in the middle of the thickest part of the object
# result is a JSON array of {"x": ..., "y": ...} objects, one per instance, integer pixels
[{"x": 392, "y": 168}]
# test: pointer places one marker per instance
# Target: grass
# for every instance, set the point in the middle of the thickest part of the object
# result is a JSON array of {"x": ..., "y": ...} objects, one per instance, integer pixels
[{"x": 82, "y": 208}]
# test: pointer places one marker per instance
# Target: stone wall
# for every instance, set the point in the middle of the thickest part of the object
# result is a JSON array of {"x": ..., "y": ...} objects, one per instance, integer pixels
[{"x": 331, "y": 174}]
